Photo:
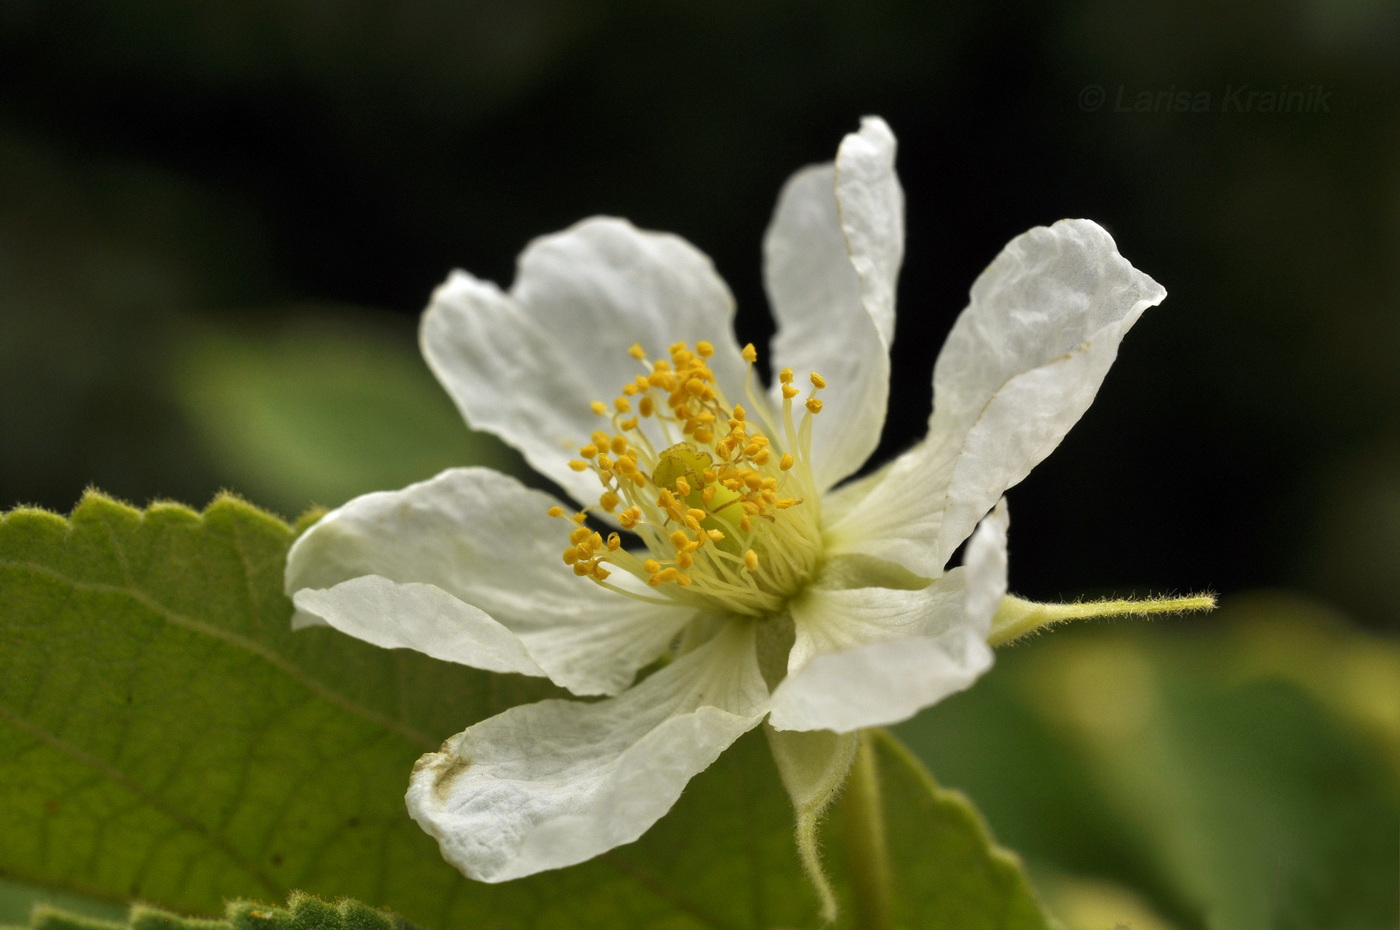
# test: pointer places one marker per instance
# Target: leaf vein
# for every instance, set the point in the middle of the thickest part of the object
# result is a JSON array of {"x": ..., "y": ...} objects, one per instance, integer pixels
[{"x": 277, "y": 661}]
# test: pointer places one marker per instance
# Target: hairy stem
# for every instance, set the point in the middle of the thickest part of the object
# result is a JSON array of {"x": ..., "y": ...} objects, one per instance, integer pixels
[{"x": 866, "y": 850}]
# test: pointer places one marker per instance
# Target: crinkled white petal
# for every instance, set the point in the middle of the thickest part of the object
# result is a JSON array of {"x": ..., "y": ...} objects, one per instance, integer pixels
[
  {"x": 875, "y": 656},
  {"x": 526, "y": 365},
  {"x": 550, "y": 784},
  {"x": 466, "y": 567},
  {"x": 1021, "y": 365},
  {"x": 831, "y": 259}
]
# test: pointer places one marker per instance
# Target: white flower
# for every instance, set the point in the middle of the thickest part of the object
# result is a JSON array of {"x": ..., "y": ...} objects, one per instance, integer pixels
[{"x": 774, "y": 592}]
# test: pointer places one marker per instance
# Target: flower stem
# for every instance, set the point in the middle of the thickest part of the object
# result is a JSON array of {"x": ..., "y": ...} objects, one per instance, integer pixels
[{"x": 867, "y": 853}]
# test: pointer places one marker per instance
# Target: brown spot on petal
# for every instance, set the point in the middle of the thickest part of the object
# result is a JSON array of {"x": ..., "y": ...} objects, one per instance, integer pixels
[{"x": 445, "y": 767}]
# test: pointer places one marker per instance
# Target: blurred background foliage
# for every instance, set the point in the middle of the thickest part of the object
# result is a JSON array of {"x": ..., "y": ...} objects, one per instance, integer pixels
[{"x": 219, "y": 221}]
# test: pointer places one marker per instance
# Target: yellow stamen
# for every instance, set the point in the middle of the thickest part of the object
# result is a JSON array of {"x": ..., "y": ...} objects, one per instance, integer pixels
[{"x": 712, "y": 495}]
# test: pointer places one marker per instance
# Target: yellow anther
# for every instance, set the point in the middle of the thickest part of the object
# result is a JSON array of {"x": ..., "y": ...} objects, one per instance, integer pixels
[
  {"x": 715, "y": 486},
  {"x": 580, "y": 517},
  {"x": 556, "y": 511}
]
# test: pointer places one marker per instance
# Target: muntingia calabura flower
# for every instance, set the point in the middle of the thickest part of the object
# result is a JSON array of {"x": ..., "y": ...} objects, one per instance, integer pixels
[{"x": 711, "y": 529}]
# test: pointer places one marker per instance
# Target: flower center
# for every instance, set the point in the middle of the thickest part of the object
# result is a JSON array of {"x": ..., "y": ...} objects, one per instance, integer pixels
[{"x": 728, "y": 515}]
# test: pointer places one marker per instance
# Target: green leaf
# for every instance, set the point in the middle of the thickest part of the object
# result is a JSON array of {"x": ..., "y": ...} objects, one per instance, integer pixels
[
  {"x": 303, "y": 912},
  {"x": 165, "y": 736},
  {"x": 18, "y": 899}
]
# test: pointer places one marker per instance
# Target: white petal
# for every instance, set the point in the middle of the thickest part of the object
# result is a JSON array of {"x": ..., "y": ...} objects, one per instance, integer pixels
[
  {"x": 551, "y": 784},
  {"x": 461, "y": 566},
  {"x": 872, "y": 216},
  {"x": 415, "y": 616},
  {"x": 837, "y": 620},
  {"x": 1022, "y": 364},
  {"x": 526, "y": 365},
  {"x": 831, "y": 258},
  {"x": 912, "y": 651}
]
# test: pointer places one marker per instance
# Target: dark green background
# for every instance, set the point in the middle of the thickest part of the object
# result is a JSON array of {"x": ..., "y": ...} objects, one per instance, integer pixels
[{"x": 166, "y": 164}]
